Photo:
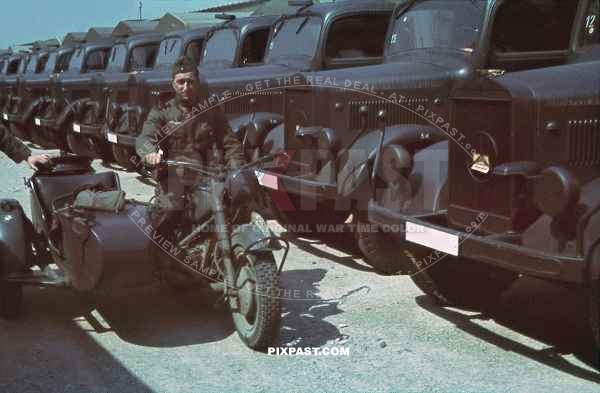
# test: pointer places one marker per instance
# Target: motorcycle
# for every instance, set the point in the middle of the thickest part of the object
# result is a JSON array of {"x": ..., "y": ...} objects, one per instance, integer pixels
[{"x": 225, "y": 248}]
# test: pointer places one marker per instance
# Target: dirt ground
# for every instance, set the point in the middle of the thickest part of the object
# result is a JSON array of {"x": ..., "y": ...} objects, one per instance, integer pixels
[{"x": 399, "y": 340}]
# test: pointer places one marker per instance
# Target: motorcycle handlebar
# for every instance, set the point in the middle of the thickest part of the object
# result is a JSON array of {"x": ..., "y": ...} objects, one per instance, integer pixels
[{"x": 208, "y": 171}]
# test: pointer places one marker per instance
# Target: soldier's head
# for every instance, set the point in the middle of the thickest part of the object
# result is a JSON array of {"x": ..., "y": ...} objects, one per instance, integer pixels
[{"x": 185, "y": 79}]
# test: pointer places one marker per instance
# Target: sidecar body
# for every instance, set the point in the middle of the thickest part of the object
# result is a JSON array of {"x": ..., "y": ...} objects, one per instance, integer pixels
[{"x": 94, "y": 250}]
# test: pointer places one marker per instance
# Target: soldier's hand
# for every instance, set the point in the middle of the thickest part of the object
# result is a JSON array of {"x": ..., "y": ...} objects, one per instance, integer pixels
[
  {"x": 33, "y": 161},
  {"x": 152, "y": 159}
]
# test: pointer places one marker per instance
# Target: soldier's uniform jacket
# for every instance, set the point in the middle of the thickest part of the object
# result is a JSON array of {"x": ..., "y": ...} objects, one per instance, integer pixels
[
  {"x": 13, "y": 147},
  {"x": 188, "y": 133}
]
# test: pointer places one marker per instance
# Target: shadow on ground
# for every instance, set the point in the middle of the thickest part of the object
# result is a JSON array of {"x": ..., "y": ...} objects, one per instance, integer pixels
[
  {"x": 45, "y": 350},
  {"x": 546, "y": 312},
  {"x": 303, "y": 323},
  {"x": 343, "y": 242}
]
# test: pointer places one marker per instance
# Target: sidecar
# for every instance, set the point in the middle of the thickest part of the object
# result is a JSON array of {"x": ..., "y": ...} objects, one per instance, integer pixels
[{"x": 64, "y": 246}]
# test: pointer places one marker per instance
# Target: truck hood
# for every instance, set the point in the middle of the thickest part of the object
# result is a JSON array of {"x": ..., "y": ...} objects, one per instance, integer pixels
[
  {"x": 406, "y": 74},
  {"x": 238, "y": 78}
]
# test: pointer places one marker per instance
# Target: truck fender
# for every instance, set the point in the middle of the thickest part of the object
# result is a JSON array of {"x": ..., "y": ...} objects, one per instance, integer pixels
[
  {"x": 428, "y": 179},
  {"x": 355, "y": 162},
  {"x": 15, "y": 236},
  {"x": 260, "y": 126},
  {"x": 254, "y": 128},
  {"x": 64, "y": 116},
  {"x": 33, "y": 108},
  {"x": 273, "y": 141}
]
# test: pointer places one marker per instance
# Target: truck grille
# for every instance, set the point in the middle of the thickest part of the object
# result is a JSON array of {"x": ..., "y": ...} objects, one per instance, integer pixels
[
  {"x": 266, "y": 101},
  {"x": 404, "y": 112},
  {"x": 584, "y": 142}
]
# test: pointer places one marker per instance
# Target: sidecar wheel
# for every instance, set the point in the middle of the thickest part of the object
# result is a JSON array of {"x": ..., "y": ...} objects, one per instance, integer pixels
[
  {"x": 11, "y": 299},
  {"x": 257, "y": 314}
]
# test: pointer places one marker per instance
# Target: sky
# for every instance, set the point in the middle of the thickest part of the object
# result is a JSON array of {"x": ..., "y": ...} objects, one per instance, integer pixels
[{"x": 24, "y": 21}]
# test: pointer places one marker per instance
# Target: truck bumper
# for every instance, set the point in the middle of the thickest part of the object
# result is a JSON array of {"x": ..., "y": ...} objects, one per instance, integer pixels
[
  {"x": 486, "y": 249},
  {"x": 296, "y": 186}
]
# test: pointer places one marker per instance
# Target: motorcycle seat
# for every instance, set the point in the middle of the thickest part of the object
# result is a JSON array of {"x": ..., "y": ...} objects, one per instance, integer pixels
[{"x": 52, "y": 188}]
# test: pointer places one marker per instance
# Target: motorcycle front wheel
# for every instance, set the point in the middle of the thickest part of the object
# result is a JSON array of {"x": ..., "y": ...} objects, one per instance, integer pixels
[{"x": 257, "y": 308}]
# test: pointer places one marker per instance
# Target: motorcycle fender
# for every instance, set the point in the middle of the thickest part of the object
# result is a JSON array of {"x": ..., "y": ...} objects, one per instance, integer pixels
[
  {"x": 14, "y": 237},
  {"x": 355, "y": 162},
  {"x": 249, "y": 237}
]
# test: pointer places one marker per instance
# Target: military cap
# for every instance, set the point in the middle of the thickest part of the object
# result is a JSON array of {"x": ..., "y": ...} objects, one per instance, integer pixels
[{"x": 183, "y": 65}]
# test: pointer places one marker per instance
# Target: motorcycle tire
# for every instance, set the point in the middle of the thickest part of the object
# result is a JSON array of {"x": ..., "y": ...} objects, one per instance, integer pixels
[{"x": 257, "y": 315}]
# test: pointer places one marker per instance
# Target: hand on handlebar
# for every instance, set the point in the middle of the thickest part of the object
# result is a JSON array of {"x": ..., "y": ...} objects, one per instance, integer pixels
[
  {"x": 152, "y": 159},
  {"x": 34, "y": 161}
]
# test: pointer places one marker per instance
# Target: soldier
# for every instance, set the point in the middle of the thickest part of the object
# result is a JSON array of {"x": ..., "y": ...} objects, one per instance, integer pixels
[
  {"x": 17, "y": 151},
  {"x": 184, "y": 132}
]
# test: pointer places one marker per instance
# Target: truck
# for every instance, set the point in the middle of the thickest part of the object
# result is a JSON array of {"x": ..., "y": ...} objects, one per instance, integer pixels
[
  {"x": 524, "y": 198},
  {"x": 334, "y": 122}
]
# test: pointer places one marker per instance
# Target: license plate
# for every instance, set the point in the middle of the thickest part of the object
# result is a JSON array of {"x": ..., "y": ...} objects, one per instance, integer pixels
[
  {"x": 76, "y": 128},
  {"x": 5, "y": 116},
  {"x": 112, "y": 138},
  {"x": 267, "y": 180},
  {"x": 432, "y": 238},
  {"x": 38, "y": 122}
]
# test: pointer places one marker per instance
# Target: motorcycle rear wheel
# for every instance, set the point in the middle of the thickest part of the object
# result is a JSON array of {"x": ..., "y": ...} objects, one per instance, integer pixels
[{"x": 257, "y": 314}]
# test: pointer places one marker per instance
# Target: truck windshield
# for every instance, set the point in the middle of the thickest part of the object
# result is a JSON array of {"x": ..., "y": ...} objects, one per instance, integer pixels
[
  {"x": 168, "y": 51},
  {"x": 116, "y": 61},
  {"x": 451, "y": 24},
  {"x": 221, "y": 47},
  {"x": 296, "y": 37}
]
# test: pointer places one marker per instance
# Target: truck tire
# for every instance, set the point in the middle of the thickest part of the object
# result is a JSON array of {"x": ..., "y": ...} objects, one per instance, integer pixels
[
  {"x": 258, "y": 321},
  {"x": 593, "y": 298},
  {"x": 380, "y": 250},
  {"x": 456, "y": 281}
]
